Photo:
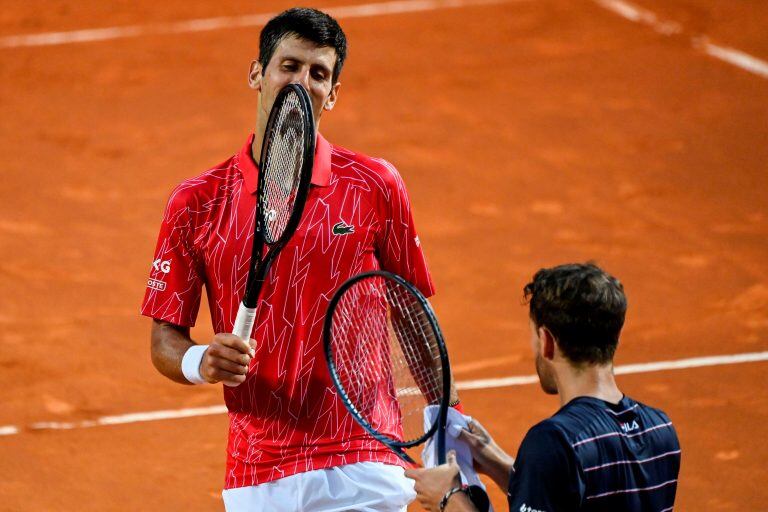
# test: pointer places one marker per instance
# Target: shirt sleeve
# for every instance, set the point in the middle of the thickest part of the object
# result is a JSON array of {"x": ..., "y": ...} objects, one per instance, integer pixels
[
  {"x": 545, "y": 477},
  {"x": 175, "y": 280},
  {"x": 399, "y": 248}
]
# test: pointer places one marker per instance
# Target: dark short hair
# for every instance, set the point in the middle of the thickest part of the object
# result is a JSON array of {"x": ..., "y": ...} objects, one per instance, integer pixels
[
  {"x": 582, "y": 306},
  {"x": 305, "y": 23}
]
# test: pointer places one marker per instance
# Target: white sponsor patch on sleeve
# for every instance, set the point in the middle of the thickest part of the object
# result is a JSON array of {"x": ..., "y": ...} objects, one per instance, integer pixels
[{"x": 156, "y": 285}]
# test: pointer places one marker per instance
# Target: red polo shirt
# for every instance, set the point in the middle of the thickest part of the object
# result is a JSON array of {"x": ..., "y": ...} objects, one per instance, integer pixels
[{"x": 285, "y": 418}]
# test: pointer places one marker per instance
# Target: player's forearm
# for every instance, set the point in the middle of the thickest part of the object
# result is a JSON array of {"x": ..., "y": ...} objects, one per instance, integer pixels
[
  {"x": 489, "y": 457},
  {"x": 169, "y": 343},
  {"x": 501, "y": 470}
]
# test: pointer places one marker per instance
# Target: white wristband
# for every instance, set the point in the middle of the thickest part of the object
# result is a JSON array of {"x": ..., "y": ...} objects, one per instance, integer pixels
[{"x": 190, "y": 363}]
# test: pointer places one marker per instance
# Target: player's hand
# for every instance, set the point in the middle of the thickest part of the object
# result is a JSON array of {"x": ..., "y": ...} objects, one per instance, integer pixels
[
  {"x": 227, "y": 359},
  {"x": 488, "y": 456},
  {"x": 432, "y": 484}
]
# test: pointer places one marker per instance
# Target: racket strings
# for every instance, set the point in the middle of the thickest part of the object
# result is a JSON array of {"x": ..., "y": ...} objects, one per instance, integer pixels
[
  {"x": 386, "y": 357},
  {"x": 282, "y": 168},
  {"x": 417, "y": 342}
]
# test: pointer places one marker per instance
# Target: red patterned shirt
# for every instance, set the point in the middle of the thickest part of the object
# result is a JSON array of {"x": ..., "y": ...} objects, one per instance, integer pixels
[{"x": 285, "y": 418}]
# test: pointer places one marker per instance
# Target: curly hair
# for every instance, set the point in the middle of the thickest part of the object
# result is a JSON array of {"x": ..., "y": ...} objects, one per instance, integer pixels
[{"x": 582, "y": 306}]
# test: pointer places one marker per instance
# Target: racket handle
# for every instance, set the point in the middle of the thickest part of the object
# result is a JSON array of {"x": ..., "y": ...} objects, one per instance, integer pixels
[{"x": 244, "y": 322}]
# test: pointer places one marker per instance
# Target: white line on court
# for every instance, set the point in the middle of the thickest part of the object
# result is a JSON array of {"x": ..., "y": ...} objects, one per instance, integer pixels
[
  {"x": 665, "y": 27},
  {"x": 737, "y": 58},
  {"x": 695, "y": 362},
  {"x": 137, "y": 417},
  {"x": 8, "y": 430},
  {"x": 224, "y": 22}
]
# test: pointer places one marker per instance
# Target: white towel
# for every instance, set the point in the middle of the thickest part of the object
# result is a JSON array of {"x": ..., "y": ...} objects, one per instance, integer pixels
[{"x": 455, "y": 422}]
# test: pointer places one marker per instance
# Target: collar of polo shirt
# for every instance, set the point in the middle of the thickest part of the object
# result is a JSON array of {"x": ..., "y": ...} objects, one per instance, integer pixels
[{"x": 321, "y": 171}]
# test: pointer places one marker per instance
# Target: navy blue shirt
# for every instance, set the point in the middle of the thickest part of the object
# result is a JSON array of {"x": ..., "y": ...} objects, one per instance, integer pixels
[{"x": 597, "y": 456}]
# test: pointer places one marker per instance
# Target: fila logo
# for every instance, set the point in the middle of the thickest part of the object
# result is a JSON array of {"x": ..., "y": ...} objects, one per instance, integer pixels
[
  {"x": 629, "y": 427},
  {"x": 163, "y": 266},
  {"x": 156, "y": 285},
  {"x": 526, "y": 508},
  {"x": 343, "y": 229}
]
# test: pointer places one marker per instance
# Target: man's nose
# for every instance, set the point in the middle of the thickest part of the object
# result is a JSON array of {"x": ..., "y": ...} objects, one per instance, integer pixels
[{"x": 302, "y": 78}]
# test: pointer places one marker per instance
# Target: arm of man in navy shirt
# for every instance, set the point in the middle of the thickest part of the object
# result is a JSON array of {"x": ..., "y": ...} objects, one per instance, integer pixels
[{"x": 489, "y": 458}]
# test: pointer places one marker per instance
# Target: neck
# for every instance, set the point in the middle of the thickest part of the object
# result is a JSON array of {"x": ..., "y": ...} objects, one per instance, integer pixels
[
  {"x": 261, "y": 127},
  {"x": 588, "y": 380}
]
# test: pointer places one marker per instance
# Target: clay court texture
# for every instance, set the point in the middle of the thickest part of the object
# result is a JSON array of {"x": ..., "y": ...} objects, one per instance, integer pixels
[{"x": 529, "y": 132}]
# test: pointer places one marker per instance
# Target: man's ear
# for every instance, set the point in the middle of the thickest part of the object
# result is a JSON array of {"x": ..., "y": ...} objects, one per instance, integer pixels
[
  {"x": 547, "y": 343},
  {"x": 330, "y": 101},
  {"x": 254, "y": 75}
]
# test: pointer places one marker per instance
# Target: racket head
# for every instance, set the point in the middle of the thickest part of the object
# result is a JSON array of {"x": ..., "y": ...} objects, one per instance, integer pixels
[
  {"x": 285, "y": 169},
  {"x": 387, "y": 359}
]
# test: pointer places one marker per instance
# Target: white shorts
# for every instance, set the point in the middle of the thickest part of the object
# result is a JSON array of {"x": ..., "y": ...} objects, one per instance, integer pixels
[{"x": 363, "y": 487}]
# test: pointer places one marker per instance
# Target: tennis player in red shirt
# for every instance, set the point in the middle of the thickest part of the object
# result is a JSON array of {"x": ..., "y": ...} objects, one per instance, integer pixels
[{"x": 292, "y": 445}]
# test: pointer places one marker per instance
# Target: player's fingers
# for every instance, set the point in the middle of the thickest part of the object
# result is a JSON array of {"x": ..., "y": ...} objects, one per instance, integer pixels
[
  {"x": 229, "y": 354},
  {"x": 229, "y": 366},
  {"x": 230, "y": 379},
  {"x": 468, "y": 437},
  {"x": 413, "y": 474},
  {"x": 232, "y": 341},
  {"x": 214, "y": 374},
  {"x": 477, "y": 428},
  {"x": 234, "y": 381},
  {"x": 475, "y": 433},
  {"x": 450, "y": 458}
]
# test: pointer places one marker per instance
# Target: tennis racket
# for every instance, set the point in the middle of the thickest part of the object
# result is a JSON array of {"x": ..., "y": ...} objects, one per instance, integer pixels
[
  {"x": 285, "y": 171},
  {"x": 388, "y": 361}
]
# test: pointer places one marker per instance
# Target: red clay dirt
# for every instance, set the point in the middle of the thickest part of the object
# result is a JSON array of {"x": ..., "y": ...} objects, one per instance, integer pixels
[{"x": 529, "y": 133}]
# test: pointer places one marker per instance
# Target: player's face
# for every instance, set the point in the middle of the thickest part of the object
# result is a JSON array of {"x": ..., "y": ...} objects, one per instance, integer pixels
[
  {"x": 297, "y": 61},
  {"x": 543, "y": 367}
]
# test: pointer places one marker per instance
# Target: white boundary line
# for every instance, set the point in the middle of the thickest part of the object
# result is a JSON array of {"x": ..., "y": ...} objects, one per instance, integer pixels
[
  {"x": 731, "y": 56},
  {"x": 8, "y": 430},
  {"x": 695, "y": 362},
  {"x": 737, "y": 58},
  {"x": 136, "y": 417},
  {"x": 225, "y": 22}
]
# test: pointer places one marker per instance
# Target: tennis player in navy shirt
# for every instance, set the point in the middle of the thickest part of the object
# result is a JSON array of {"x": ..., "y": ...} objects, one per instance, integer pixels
[{"x": 602, "y": 451}]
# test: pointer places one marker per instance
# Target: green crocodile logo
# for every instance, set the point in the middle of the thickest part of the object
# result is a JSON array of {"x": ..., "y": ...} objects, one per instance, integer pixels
[{"x": 343, "y": 229}]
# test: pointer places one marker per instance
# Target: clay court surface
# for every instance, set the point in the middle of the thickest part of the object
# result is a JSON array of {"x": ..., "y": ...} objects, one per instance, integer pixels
[{"x": 529, "y": 132}]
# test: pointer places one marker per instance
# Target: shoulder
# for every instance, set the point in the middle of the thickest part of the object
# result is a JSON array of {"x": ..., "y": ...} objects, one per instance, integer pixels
[
  {"x": 544, "y": 452},
  {"x": 657, "y": 423},
  {"x": 544, "y": 437},
  {"x": 346, "y": 162},
  {"x": 576, "y": 417},
  {"x": 193, "y": 193},
  {"x": 650, "y": 411}
]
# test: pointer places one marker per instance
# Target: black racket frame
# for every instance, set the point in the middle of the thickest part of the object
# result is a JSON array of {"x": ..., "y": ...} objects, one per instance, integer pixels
[
  {"x": 438, "y": 427},
  {"x": 259, "y": 269}
]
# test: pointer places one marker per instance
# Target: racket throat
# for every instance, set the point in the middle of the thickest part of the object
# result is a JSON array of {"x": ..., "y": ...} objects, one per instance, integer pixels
[{"x": 259, "y": 273}]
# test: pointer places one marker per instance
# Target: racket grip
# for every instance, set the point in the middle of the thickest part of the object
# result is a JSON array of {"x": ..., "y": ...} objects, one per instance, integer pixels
[{"x": 244, "y": 322}]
